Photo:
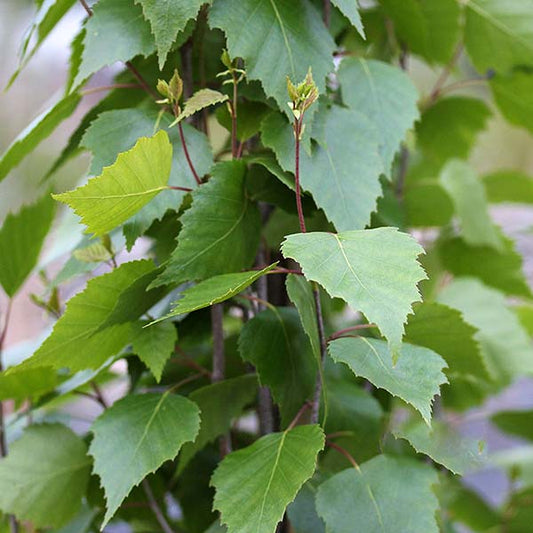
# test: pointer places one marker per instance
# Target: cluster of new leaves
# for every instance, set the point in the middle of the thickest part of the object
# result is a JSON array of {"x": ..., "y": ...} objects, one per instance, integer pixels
[{"x": 284, "y": 335}]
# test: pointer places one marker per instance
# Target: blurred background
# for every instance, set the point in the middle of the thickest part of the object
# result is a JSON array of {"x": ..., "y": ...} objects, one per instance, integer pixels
[{"x": 500, "y": 146}]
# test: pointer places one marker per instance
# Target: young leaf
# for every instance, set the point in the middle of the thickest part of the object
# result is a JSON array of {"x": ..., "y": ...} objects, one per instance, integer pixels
[
  {"x": 428, "y": 28},
  {"x": 21, "y": 239},
  {"x": 415, "y": 378},
  {"x": 220, "y": 231},
  {"x": 468, "y": 195},
  {"x": 374, "y": 497},
  {"x": 167, "y": 18},
  {"x": 444, "y": 445},
  {"x": 30, "y": 383},
  {"x": 135, "y": 436},
  {"x": 214, "y": 290},
  {"x": 254, "y": 485},
  {"x": 38, "y": 130},
  {"x": 279, "y": 39},
  {"x": 76, "y": 341},
  {"x": 117, "y": 31},
  {"x": 386, "y": 96},
  {"x": 45, "y": 476},
  {"x": 350, "y": 9},
  {"x": 124, "y": 188},
  {"x": 505, "y": 344},
  {"x": 200, "y": 100},
  {"x": 499, "y": 35},
  {"x": 374, "y": 271},
  {"x": 219, "y": 403},
  {"x": 155, "y": 345},
  {"x": 273, "y": 341}
]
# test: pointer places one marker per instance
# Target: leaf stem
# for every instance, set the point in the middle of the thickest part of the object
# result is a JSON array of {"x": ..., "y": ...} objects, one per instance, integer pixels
[
  {"x": 299, "y": 414},
  {"x": 327, "y": 12},
  {"x": 445, "y": 74},
  {"x": 154, "y": 506},
  {"x": 341, "y": 332},
  {"x": 344, "y": 452},
  {"x": 93, "y": 90},
  {"x": 176, "y": 188},
  {"x": 187, "y": 156}
]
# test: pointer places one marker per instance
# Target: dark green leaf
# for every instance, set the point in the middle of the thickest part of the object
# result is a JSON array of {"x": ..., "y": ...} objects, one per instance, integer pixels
[{"x": 519, "y": 423}]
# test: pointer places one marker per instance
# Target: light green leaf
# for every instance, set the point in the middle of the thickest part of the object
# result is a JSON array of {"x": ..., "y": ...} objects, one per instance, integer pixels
[
  {"x": 505, "y": 344},
  {"x": 501, "y": 269},
  {"x": 415, "y": 378},
  {"x": 499, "y": 33},
  {"x": 427, "y": 204},
  {"x": 220, "y": 231},
  {"x": 281, "y": 39},
  {"x": 254, "y": 485},
  {"x": 219, "y": 403},
  {"x": 155, "y": 345},
  {"x": 124, "y": 188},
  {"x": 350, "y": 9},
  {"x": 444, "y": 445},
  {"x": 213, "y": 291},
  {"x": 518, "y": 423},
  {"x": 386, "y": 96},
  {"x": 200, "y": 100},
  {"x": 38, "y": 130},
  {"x": 76, "y": 341},
  {"x": 45, "y": 476},
  {"x": 135, "y": 436},
  {"x": 21, "y": 239},
  {"x": 428, "y": 28},
  {"x": 514, "y": 96},
  {"x": 117, "y": 31},
  {"x": 94, "y": 253},
  {"x": 167, "y": 18},
  {"x": 450, "y": 127},
  {"x": 374, "y": 271},
  {"x": 274, "y": 342},
  {"x": 374, "y": 497},
  {"x": 509, "y": 186},
  {"x": 30, "y": 383},
  {"x": 468, "y": 195}
]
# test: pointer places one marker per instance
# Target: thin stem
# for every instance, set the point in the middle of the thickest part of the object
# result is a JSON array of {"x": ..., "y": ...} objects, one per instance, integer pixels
[
  {"x": 326, "y": 12},
  {"x": 323, "y": 353},
  {"x": 93, "y": 90},
  {"x": 190, "y": 362},
  {"x": 299, "y": 414},
  {"x": 463, "y": 84},
  {"x": 297, "y": 133},
  {"x": 176, "y": 188},
  {"x": 402, "y": 172},
  {"x": 187, "y": 156},
  {"x": 445, "y": 74},
  {"x": 98, "y": 394},
  {"x": 86, "y": 7},
  {"x": 346, "y": 454},
  {"x": 233, "y": 111},
  {"x": 341, "y": 332},
  {"x": 158, "y": 513}
]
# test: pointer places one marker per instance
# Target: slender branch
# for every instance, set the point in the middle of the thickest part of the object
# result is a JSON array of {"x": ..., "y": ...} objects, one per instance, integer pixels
[
  {"x": 158, "y": 513},
  {"x": 86, "y": 7},
  {"x": 176, "y": 188},
  {"x": 326, "y": 12},
  {"x": 402, "y": 172},
  {"x": 463, "y": 84},
  {"x": 323, "y": 353},
  {"x": 445, "y": 74},
  {"x": 233, "y": 111},
  {"x": 299, "y": 414},
  {"x": 93, "y": 90},
  {"x": 188, "y": 379},
  {"x": 341, "y": 332},
  {"x": 299, "y": 208},
  {"x": 190, "y": 362},
  {"x": 344, "y": 452},
  {"x": 187, "y": 156},
  {"x": 99, "y": 396}
]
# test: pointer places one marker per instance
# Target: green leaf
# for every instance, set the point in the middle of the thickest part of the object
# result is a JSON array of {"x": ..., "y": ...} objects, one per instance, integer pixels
[
  {"x": 444, "y": 445},
  {"x": 374, "y": 497},
  {"x": 76, "y": 341},
  {"x": 509, "y": 186},
  {"x": 155, "y": 345},
  {"x": 468, "y": 195},
  {"x": 505, "y": 345},
  {"x": 281, "y": 39},
  {"x": 499, "y": 33},
  {"x": 45, "y": 475},
  {"x": 167, "y": 18},
  {"x": 30, "y": 383},
  {"x": 254, "y": 485},
  {"x": 519, "y": 423},
  {"x": 102, "y": 140},
  {"x": 38, "y": 130},
  {"x": 219, "y": 403},
  {"x": 250, "y": 115},
  {"x": 46, "y": 19},
  {"x": 514, "y": 97},
  {"x": 214, "y": 290},
  {"x": 200, "y": 100},
  {"x": 449, "y": 128},
  {"x": 135, "y": 436},
  {"x": 428, "y": 28},
  {"x": 386, "y": 96},
  {"x": 124, "y": 188},
  {"x": 415, "y": 378},
  {"x": 350, "y": 9},
  {"x": 501, "y": 269},
  {"x": 220, "y": 231},
  {"x": 274, "y": 342},
  {"x": 21, "y": 239},
  {"x": 94, "y": 253},
  {"x": 302, "y": 511},
  {"x": 374, "y": 271},
  {"x": 117, "y": 31},
  {"x": 427, "y": 204}
]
